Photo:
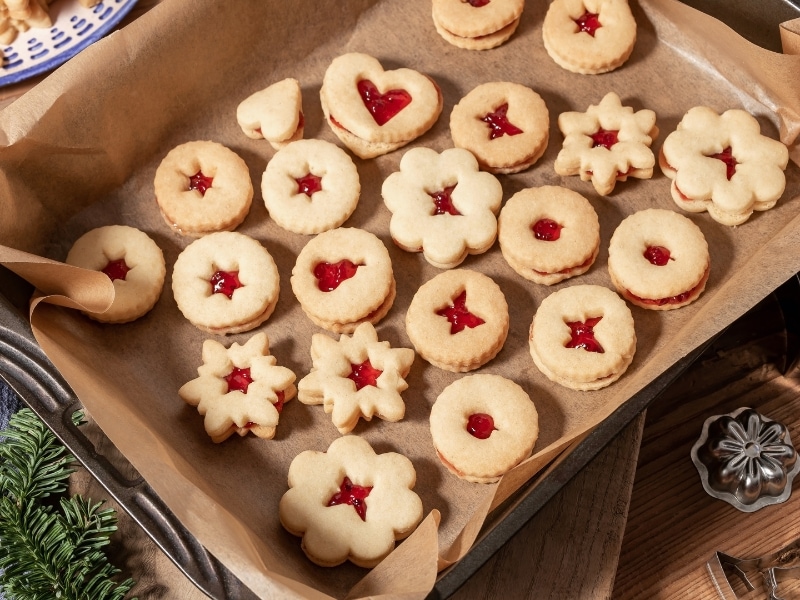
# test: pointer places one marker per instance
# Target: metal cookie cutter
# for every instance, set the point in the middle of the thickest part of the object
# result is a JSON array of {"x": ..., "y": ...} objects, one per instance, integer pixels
[{"x": 774, "y": 568}]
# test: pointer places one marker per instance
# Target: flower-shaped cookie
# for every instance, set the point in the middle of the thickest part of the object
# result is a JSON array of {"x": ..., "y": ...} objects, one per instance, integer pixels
[
  {"x": 722, "y": 164},
  {"x": 442, "y": 205},
  {"x": 349, "y": 503},
  {"x": 239, "y": 389},
  {"x": 274, "y": 113},
  {"x": 355, "y": 377},
  {"x": 607, "y": 143}
]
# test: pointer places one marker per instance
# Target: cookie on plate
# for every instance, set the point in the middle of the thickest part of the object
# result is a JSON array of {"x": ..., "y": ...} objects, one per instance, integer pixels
[
  {"x": 476, "y": 24},
  {"x": 274, "y": 113}
]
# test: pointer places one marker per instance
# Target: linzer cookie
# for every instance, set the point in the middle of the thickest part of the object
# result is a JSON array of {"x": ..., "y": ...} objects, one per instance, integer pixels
[
  {"x": 240, "y": 389},
  {"x": 482, "y": 426},
  {"x": 132, "y": 261},
  {"x": 442, "y": 205},
  {"x": 202, "y": 187},
  {"x": 373, "y": 111},
  {"x": 225, "y": 282},
  {"x": 458, "y": 321},
  {"x": 724, "y": 165},
  {"x": 582, "y": 337},
  {"x": 549, "y": 234},
  {"x": 505, "y": 125},
  {"x": 589, "y": 36},
  {"x": 658, "y": 259},
  {"x": 342, "y": 278},
  {"x": 310, "y": 186},
  {"x": 477, "y": 24},
  {"x": 607, "y": 143},
  {"x": 274, "y": 114},
  {"x": 350, "y": 503}
]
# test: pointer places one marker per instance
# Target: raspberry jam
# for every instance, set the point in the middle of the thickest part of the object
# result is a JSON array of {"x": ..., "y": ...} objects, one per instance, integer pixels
[
  {"x": 583, "y": 335},
  {"x": 331, "y": 275},
  {"x": 309, "y": 184},
  {"x": 364, "y": 374},
  {"x": 726, "y": 156},
  {"x": 443, "y": 202},
  {"x": 354, "y": 495},
  {"x": 200, "y": 182},
  {"x": 225, "y": 282},
  {"x": 657, "y": 255},
  {"x": 281, "y": 400},
  {"x": 480, "y": 425},
  {"x": 459, "y": 316},
  {"x": 605, "y": 138},
  {"x": 478, "y": 3},
  {"x": 116, "y": 269},
  {"x": 588, "y": 23},
  {"x": 382, "y": 107},
  {"x": 238, "y": 380},
  {"x": 499, "y": 125},
  {"x": 546, "y": 230}
]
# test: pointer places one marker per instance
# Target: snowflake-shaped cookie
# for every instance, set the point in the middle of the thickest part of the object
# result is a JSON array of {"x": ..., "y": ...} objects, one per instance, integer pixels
[
  {"x": 239, "y": 389},
  {"x": 349, "y": 503},
  {"x": 607, "y": 143},
  {"x": 722, "y": 164},
  {"x": 355, "y": 377},
  {"x": 442, "y": 205}
]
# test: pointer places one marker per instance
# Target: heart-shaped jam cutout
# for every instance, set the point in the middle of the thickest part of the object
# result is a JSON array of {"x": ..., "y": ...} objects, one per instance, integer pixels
[
  {"x": 364, "y": 374},
  {"x": 459, "y": 316},
  {"x": 384, "y": 106},
  {"x": 498, "y": 123},
  {"x": 726, "y": 156},
  {"x": 605, "y": 138},
  {"x": 443, "y": 202},
  {"x": 309, "y": 184},
  {"x": 354, "y": 495},
  {"x": 225, "y": 282},
  {"x": 480, "y": 425},
  {"x": 331, "y": 275},
  {"x": 238, "y": 380},
  {"x": 657, "y": 255},
  {"x": 582, "y": 335},
  {"x": 200, "y": 182},
  {"x": 546, "y": 230},
  {"x": 116, "y": 269},
  {"x": 588, "y": 23}
]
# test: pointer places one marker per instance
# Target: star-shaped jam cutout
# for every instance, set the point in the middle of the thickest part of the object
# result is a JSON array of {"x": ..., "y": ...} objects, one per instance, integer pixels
[
  {"x": 225, "y": 282},
  {"x": 443, "y": 201},
  {"x": 116, "y": 269},
  {"x": 309, "y": 184},
  {"x": 604, "y": 138},
  {"x": 384, "y": 106},
  {"x": 200, "y": 182},
  {"x": 498, "y": 123},
  {"x": 352, "y": 494},
  {"x": 582, "y": 335},
  {"x": 364, "y": 374},
  {"x": 238, "y": 379},
  {"x": 727, "y": 157},
  {"x": 588, "y": 23},
  {"x": 459, "y": 316}
]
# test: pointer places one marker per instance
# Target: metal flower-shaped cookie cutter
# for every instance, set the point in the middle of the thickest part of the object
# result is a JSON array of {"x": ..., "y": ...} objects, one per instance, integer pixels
[{"x": 746, "y": 459}]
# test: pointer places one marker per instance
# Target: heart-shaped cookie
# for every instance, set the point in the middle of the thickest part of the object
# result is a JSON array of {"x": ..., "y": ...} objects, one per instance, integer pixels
[{"x": 274, "y": 113}]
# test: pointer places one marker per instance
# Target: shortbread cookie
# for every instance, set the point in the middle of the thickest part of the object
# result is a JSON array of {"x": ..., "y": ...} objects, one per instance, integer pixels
[
  {"x": 582, "y": 337},
  {"x": 476, "y": 24},
  {"x": 225, "y": 282},
  {"x": 202, "y": 187},
  {"x": 723, "y": 164},
  {"x": 342, "y": 278},
  {"x": 589, "y": 36},
  {"x": 505, "y": 125},
  {"x": 658, "y": 259},
  {"x": 373, "y": 111},
  {"x": 239, "y": 389},
  {"x": 356, "y": 377},
  {"x": 310, "y": 186},
  {"x": 442, "y": 205},
  {"x": 607, "y": 143},
  {"x": 274, "y": 114},
  {"x": 549, "y": 234},
  {"x": 133, "y": 262},
  {"x": 350, "y": 503},
  {"x": 458, "y": 320},
  {"x": 482, "y": 426}
]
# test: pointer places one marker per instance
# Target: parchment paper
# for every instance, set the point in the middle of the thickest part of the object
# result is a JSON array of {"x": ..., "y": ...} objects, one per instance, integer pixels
[{"x": 80, "y": 150}]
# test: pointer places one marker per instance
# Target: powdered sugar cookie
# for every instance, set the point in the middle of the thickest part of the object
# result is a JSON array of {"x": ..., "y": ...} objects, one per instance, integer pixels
[
  {"x": 350, "y": 503},
  {"x": 549, "y": 234},
  {"x": 607, "y": 143},
  {"x": 310, "y": 186},
  {"x": 239, "y": 389},
  {"x": 658, "y": 259},
  {"x": 225, "y": 282},
  {"x": 505, "y": 125},
  {"x": 274, "y": 113},
  {"x": 476, "y": 24},
  {"x": 458, "y": 320},
  {"x": 373, "y": 111},
  {"x": 582, "y": 337},
  {"x": 356, "y": 377},
  {"x": 723, "y": 164},
  {"x": 589, "y": 36},
  {"x": 202, "y": 187},
  {"x": 482, "y": 426},
  {"x": 133, "y": 262},
  {"x": 442, "y": 205}
]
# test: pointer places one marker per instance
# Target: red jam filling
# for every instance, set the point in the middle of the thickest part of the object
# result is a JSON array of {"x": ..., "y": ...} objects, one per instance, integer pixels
[
  {"x": 354, "y": 495},
  {"x": 382, "y": 107},
  {"x": 546, "y": 230},
  {"x": 443, "y": 202},
  {"x": 238, "y": 380},
  {"x": 480, "y": 425},
  {"x": 116, "y": 269},
  {"x": 588, "y": 23},
  {"x": 498, "y": 123},
  {"x": 657, "y": 255},
  {"x": 605, "y": 138},
  {"x": 331, "y": 275},
  {"x": 200, "y": 182},
  {"x": 309, "y": 184},
  {"x": 281, "y": 399},
  {"x": 225, "y": 282},
  {"x": 364, "y": 374},
  {"x": 726, "y": 156},
  {"x": 477, "y": 3},
  {"x": 583, "y": 335},
  {"x": 585, "y": 263},
  {"x": 679, "y": 299},
  {"x": 459, "y": 316}
]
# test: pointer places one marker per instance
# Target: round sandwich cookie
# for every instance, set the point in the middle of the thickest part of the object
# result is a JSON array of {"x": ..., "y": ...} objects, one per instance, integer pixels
[{"x": 476, "y": 24}]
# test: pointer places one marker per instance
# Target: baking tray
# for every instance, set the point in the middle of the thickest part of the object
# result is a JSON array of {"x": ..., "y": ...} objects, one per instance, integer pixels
[{"x": 27, "y": 370}]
